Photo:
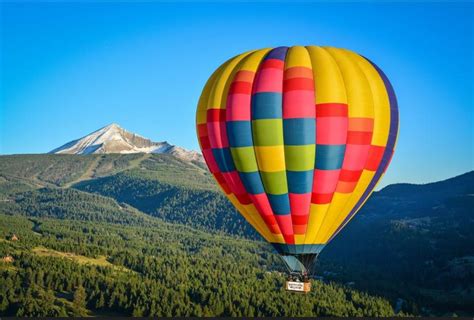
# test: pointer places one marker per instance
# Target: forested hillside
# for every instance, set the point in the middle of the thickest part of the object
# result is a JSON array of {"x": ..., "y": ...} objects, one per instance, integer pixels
[
  {"x": 64, "y": 267},
  {"x": 411, "y": 244}
]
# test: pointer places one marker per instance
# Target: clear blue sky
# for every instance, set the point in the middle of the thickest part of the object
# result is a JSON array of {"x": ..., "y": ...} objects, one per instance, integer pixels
[{"x": 70, "y": 68}]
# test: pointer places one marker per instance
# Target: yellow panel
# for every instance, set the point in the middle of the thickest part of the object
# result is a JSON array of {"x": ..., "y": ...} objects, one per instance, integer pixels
[
  {"x": 251, "y": 62},
  {"x": 201, "y": 113},
  {"x": 218, "y": 94},
  {"x": 299, "y": 238},
  {"x": 335, "y": 209},
  {"x": 328, "y": 82},
  {"x": 266, "y": 233},
  {"x": 297, "y": 57},
  {"x": 380, "y": 98},
  {"x": 270, "y": 158},
  {"x": 316, "y": 215},
  {"x": 359, "y": 95}
]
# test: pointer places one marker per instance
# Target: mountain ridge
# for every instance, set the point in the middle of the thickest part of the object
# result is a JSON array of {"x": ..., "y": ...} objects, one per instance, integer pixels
[{"x": 115, "y": 139}]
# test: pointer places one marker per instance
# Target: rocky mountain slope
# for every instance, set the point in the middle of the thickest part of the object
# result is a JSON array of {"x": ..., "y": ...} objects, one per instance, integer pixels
[{"x": 115, "y": 139}]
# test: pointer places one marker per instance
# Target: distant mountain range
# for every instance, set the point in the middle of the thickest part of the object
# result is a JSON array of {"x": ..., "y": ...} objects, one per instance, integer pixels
[{"x": 115, "y": 139}]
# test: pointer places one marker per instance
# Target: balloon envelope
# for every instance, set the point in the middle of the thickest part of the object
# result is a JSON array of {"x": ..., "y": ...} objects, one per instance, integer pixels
[{"x": 297, "y": 138}]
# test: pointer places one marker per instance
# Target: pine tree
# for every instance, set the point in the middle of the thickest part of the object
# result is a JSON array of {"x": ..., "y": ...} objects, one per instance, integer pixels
[{"x": 79, "y": 301}]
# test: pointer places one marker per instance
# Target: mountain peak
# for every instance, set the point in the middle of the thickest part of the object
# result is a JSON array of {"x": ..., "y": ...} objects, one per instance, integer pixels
[
  {"x": 112, "y": 125},
  {"x": 114, "y": 139}
]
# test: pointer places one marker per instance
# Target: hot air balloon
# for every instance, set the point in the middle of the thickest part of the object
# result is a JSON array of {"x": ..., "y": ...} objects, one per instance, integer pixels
[{"x": 297, "y": 138}]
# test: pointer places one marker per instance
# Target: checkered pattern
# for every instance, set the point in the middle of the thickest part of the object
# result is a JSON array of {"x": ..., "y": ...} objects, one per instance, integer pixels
[{"x": 298, "y": 138}]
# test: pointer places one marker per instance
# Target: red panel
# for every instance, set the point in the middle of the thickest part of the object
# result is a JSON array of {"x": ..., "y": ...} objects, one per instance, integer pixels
[
  {"x": 205, "y": 143},
  {"x": 215, "y": 115},
  {"x": 359, "y": 137},
  {"x": 298, "y": 84},
  {"x": 202, "y": 129},
  {"x": 240, "y": 87},
  {"x": 374, "y": 158},
  {"x": 321, "y": 198},
  {"x": 350, "y": 175},
  {"x": 300, "y": 219},
  {"x": 243, "y": 198},
  {"x": 220, "y": 179},
  {"x": 331, "y": 110},
  {"x": 272, "y": 63}
]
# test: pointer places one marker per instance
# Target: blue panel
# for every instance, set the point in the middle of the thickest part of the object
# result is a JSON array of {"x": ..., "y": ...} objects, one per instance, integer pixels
[
  {"x": 224, "y": 159},
  {"x": 280, "y": 203},
  {"x": 300, "y": 181},
  {"x": 266, "y": 105},
  {"x": 252, "y": 182},
  {"x": 288, "y": 249},
  {"x": 329, "y": 157},
  {"x": 239, "y": 133},
  {"x": 277, "y": 53},
  {"x": 299, "y": 131}
]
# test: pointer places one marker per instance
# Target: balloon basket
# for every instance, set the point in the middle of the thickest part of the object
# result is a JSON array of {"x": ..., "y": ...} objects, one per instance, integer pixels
[{"x": 298, "y": 286}]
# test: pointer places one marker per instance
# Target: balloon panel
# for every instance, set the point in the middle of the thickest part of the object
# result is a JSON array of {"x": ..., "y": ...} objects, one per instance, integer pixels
[{"x": 297, "y": 138}]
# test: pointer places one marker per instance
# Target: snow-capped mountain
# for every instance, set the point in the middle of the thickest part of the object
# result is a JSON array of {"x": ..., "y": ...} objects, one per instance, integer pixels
[{"x": 114, "y": 139}]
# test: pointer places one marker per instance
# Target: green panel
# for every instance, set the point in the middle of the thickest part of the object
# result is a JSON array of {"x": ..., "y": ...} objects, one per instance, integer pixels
[
  {"x": 267, "y": 132},
  {"x": 300, "y": 158},
  {"x": 244, "y": 159},
  {"x": 274, "y": 182}
]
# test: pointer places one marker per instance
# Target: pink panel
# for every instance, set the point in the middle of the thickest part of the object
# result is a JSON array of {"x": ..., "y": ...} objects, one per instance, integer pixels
[
  {"x": 331, "y": 130},
  {"x": 299, "y": 203},
  {"x": 210, "y": 160},
  {"x": 355, "y": 156},
  {"x": 269, "y": 80},
  {"x": 233, "y": 180},
  {"x": 238, "y": 107},
  {"x": 298, "y": 104},
  {"x": 286, "y": 227},
  {"x": 217, "y": 134},
  {"x": 262, "y": 204},
  {"x": 325, "y": 181},
  {"x": 220, "y": 179}
]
